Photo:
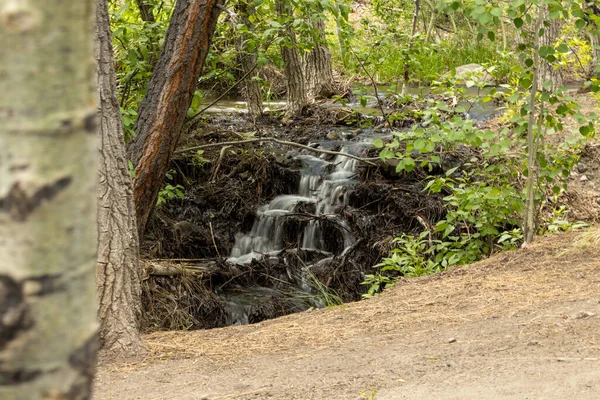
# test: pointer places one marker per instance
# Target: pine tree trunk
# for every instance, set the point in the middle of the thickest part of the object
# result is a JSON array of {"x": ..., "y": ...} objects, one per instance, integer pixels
[
  {"x": 547, "y": 71},
  {"x": 48, "y": 207},
  {"x": 117, "y": 270},
  {"x": 170, "y": 92},
  {"x": 248, "y": 58},
  {"x": 318, "y": 70},
  {"x": 296, "y": 90},
  {"x": 146, "y": 11}
]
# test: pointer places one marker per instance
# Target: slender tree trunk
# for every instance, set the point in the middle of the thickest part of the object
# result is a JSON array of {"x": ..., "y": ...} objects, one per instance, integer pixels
[
  {"x": 145, "y": 11},
  {"x": 248, "y": 58},
  {"x": 529, "y": 218},
  {"x": 547, "y": 71},
  {"x": 48, "y": 165},
  {"x": 317, "y": 65},
  {"x": 170, "y": 92},
  {"x": 593, "y": 32},
  {"x": 296, "y": 90},
  {"x": 413, "y": 31},
  {"x": 117, "y": 270},
  {"x": 344, "y": 47}
]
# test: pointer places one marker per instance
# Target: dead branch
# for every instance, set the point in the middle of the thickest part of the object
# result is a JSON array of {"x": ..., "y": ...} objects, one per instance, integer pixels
[
  {"x": 175, "y": 270},
  {"x": 368, "y": 161}
]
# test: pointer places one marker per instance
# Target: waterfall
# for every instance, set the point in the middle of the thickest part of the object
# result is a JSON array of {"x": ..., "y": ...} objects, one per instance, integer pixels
[{"x": 324, "y": 187}]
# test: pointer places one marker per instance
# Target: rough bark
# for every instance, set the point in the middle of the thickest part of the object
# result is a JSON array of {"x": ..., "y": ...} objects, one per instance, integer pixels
[
  {"x": 117, "y": 270},
  {"x": 48, "y": 165},
  {"x": 170, "y": 92},
  {"x": 296, "y": 90},
  {"x": 547, "y": 72},
  {"x": 317, "y": 62},
  {"x": 146, "y": 11},
  {"x": 248, "y": 58}
]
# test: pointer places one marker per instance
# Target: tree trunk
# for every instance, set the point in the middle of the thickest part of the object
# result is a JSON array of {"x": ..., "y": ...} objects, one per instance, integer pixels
[
  {"x": 529, "y": 217},
  {"x": 146, "y": 11},
  {"x": 170, "y": 92},
  {"x": 117, "y": 270},
  {"x": 413, "y": 31},
  {"x": 248, "y": 58},
  {"x": 296, "y": 91},
  {"x": 593, "y": 33},
  {"x": 547, "y": 71},
  {"x": 317, "y": 63},
  {"x": 48, "y": 177}
]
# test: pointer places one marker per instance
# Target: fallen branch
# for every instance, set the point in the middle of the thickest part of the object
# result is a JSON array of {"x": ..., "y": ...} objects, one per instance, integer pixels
[
  {"x": 175, "y": 270},
  {"x": 282, "y": 142}
]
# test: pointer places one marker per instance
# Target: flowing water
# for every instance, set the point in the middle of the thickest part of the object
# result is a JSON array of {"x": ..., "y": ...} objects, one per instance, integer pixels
[
  {"x": 324, "y": 189},
  {"x": 322, "y": 196},
  {"x": 323, "y": 192}
]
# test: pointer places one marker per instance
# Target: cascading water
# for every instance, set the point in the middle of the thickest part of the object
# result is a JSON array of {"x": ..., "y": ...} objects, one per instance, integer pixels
[{"x": 323, "y": 191}]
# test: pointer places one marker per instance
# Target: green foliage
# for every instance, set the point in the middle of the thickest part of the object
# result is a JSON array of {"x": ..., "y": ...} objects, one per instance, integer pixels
[
  {"x": 136, "y": 46},
  {"x": 170, "y": 190},
  {"x": 483, "y": 198}
]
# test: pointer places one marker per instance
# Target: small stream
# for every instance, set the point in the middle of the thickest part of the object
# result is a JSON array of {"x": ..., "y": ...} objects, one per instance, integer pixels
[
  {"x": 320, "y": 202},
  {"x": 323, "y": 192}
]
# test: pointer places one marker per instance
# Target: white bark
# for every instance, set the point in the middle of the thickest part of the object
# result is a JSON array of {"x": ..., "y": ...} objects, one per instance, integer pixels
[{"x": 47, "y": 200}]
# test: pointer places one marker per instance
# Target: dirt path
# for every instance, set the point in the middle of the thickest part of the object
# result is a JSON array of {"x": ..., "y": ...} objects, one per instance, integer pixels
[{"x": 521, "y": 325}]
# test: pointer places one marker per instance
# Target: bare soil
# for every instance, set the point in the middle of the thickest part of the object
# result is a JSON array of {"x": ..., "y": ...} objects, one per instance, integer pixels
[{"x": 519, "y": 325}]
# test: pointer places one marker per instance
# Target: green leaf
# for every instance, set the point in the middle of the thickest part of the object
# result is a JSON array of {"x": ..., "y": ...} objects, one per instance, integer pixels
[
  {"x": 518, "y": 23},
  {"x": 491, "y": 35},
  {"x": 580, "y": 24},
  {"x": 496, "y": 12},
  {"x": 378, "y": 143},
  {"x": 562, "y": 48}
]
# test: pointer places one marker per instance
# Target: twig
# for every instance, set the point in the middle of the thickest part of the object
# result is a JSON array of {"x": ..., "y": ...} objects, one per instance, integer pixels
[
  {"x": 212, "y": 235},
  {"x": 362, "y": 65},
  {"x": 216, "y": 169},
  {"x": 194, "y": 118},
  {"x": 282, "y": 142}
]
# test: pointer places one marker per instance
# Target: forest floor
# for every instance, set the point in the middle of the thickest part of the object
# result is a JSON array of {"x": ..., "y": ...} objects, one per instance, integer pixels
[{"x": 520, "y": 325}]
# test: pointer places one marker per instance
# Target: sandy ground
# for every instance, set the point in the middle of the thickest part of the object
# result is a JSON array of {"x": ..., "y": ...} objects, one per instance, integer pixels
[{"x": 520, "y": 325}]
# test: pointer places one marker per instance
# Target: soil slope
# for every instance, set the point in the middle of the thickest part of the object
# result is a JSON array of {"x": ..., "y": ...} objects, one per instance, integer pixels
[{"x": 520, "y": 325}]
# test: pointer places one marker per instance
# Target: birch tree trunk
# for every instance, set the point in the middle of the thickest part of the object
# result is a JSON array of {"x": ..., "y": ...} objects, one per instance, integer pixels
[
  {"x": 170, "y": 92},
  {"x": 296, "y": 90},
  {"x": 318, "y": 70},
  {"x": 117, "y": 270},
  {"x": 47, "y": 200}
]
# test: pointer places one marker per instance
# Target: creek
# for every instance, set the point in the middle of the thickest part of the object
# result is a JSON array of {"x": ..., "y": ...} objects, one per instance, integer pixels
[{"x": 291, "y": 230}]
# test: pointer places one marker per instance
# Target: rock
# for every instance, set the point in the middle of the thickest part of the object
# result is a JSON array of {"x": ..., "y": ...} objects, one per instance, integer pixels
[
  {"x": 474, "y": 72},
  {"x": 581, "y": 168},
  {"x": 584, "y": 178},
  {"x": 584, "y": 314},
  {"x": 333, "y": 136},
  {"x": 452, "y": 340}
]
